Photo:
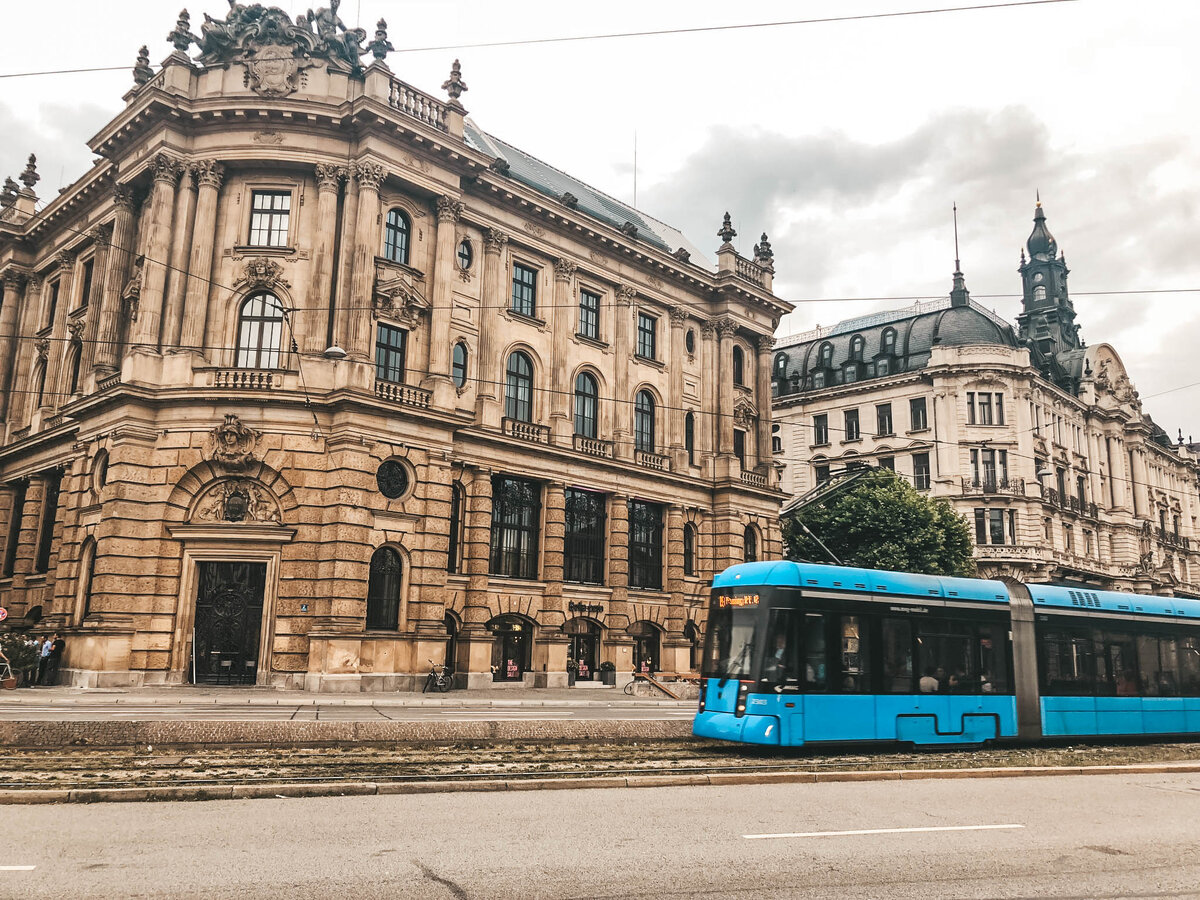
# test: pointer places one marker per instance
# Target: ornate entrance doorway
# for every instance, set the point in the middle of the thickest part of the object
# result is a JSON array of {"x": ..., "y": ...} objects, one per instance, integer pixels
[
  {"x": 229, "y": 606},
  {"x": 584, "y": 647},
  {"x": 510, "y": 648}
]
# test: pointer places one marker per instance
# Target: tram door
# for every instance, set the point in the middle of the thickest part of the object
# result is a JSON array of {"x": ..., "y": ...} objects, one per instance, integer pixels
[
  {"x": 229, "y": 606},
  {"x": 584, "y": 647}
]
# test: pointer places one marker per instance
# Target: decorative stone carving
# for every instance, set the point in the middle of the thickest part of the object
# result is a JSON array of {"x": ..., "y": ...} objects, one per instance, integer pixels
[
  {"x": 726, "y": 234},
  {"x": 75, "y": 328},
  {"x": 231, "y": 444},
  {"x": 449, "y": 209},
  {"x": 142, "y": 72},
  {"x": 275, "y": 72},
  {"x": 569, "y": 200},
  {"x": 454, "y": 85},
  {"x": 182, "y": 36},
  {"x": 564, "y": 270},
  {"x": 8, "y": 195},
  {"x": 398, "y": 295},
  {"x": 745, "y": 413},
  {"x": 30, "y": 176},
  {"x": 330, "y": 175},
  {"x": 381, "y": 46},
  {"x": 249, "y": 29},
  {"x": 41, "y": 347},
  {"x": 765, "y": 343},
  {"x": 208, "y": 172},
  {"x": 238, "y": 500},
  {"x": 65, "y": 260},
  {"x": 132, "y": 292},
  {"x": 261, "y": 272},
  {"x": 370, "y": 174},
  {"x": 101, "y": 235},
  {"x": 123, "y": 197},
  {"x": 494, "y": 240},
  {"x": 12, "y": 279},
  {"x": 625, "y": 294},
  {"x": 682, "y": 255},
  {"x": 629, "y": 230},
  {"x": 727, "y": 327},
  {"x": 708, "y": 330},
  {"x": 678, "y": 314},
  {"x": 535, "y": 229},
  {"x": 165, "y": 168},
  {"x": 763, "y": 254}
]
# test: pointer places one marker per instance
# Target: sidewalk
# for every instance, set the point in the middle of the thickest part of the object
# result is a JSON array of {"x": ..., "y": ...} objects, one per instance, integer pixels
[{"x": 204, "y": 695}]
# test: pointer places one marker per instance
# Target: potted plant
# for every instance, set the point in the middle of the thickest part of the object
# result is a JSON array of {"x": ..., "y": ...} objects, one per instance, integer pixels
[
  {"x": 572, "y": 672},
  {"x": 608, "y": 673}
]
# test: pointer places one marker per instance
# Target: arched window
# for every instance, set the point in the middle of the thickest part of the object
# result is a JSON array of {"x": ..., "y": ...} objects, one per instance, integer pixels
[
  {"x": 518, "y": 388},
  {"x": 781, "y": 365},
  {"x": 749, "y": 544},
  {"x": 383, "y": 589},
  {"x": 739, "y": 364},
  {"x": 396, "y": 236},
  {"x": 1039, "y": 292},
  {"x": 643, "y": 422},
  {"x": 857, "y": 344},
  {"x": 458, "y": 368},
  {"x": 689, "y": 550},
  {"x": 74, "y": 359},
  {"x": 689, "y": 437},
  {"x": 458, "y": 502},
  {"x": 260, "y": 332},
  {"x": 39, "y": 379},
  {"x": 587, "y": 398},
  {"x": 825, "y": 356},
  {"x": 887, "y": 343},
  {"x": 87, "y": 568}
]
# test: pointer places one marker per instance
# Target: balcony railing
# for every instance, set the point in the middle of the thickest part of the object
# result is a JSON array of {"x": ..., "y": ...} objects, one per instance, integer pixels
[
  {"x": 754, "y": 479},
  {"x": 750, "y": 271},
  {"x": 402, "y": 393},
  {"x": 1171, "y": 539},
  {"x": 417, "y": 104},
  {"x": 656, "y": 461},
  {"x": 20, "y": 433},
  {"x": 1071, "y": 503},
  {"x": 593, "y": 447},
  {"x": 103, "y": 384},
  {"x": 993, "y": 485},
  {"x": 526, "y": 431},
  {"x": 248, "y": 379}
]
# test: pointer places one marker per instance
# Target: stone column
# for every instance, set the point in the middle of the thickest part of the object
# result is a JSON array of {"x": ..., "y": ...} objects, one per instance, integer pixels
[
  {"x": 314, "y": 328},
  {"x": 762, "y": 397},
  {"x": 617, "y": 642},
  {"x": 622, "y": 354},
  {"x": 21, "y": 400},
  {"x": 679, "y": 317},
  {"x": 181, "y": 245},
  {"x": 676, "y": 649},
  {"x": 551, "y": 648},
  {"x": 473, "y": 664},
  {"x": 13, "y": 282},
  {"x": 449, "y": 211},
  {"x": 726, "y": 328},
  {"x": 561, "y": 418},
  {"x": 708, "y": 423},
  {"x": 209, "y": 175},
  {"x": 102, "y": 239},
  {"x": 146, "y": 330},
  {"x": 356, "y": 333},
  {"x": 120, "y": 258},
  {"x": 490, "y": 346},
  {"x": 1141, "y": 480},
  {"x": 58, "y": 330}
]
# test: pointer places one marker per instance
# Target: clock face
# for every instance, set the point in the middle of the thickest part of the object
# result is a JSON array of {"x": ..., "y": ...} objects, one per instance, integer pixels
[{"x": 1037, "y": 278}]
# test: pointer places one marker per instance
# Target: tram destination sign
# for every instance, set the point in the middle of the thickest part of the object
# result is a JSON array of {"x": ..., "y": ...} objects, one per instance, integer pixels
[
  {"x": 726, "y": 601},
  {"x": 908, "y": 609}
]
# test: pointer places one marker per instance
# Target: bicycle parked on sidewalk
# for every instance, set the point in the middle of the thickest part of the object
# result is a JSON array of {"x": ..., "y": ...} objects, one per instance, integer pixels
[{"x": 439, "y": 679}]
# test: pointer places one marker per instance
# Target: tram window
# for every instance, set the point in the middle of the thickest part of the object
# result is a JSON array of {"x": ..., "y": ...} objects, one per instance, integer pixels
[
  {"x": 855, "y": 670},
  {"x": 1116, "y": 665},
  {"x": 1157, "y": 661},
  {"x": 1068, "y": 662},
  {"x": 1189, "y": 666},
  {"x": 779, "y": 662},
  {"x": 897, "y": 656},
  {"x": 1166, "y": 679},
  {"x": 729, "y": 643},
  {"x": 993, "y": 660},
  {"x": 945, "y": 653},
  {"x": 815, "y": 675}
]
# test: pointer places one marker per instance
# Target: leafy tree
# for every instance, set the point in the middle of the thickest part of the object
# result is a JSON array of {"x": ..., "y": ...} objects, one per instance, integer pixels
[{"x": 883, "y": 522}]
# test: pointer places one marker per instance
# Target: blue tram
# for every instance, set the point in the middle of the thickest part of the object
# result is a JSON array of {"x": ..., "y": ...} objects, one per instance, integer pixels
[{"x": 797, "y": 653}]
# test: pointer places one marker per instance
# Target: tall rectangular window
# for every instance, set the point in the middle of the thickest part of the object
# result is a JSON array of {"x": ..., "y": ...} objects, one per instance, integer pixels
[
  {"x": 739, "y": 446},
  {"x": 921, "y": 471},
  {"x": 390, "y": 344},
  {"x": 589, "y": 315},
  {"x": 917, "y": 415},
  {"x": 85, "y": 293},
  {"x": 14, "y": 529},
  {"x": 851, "y": 433},
  {"x": 989, "y": 468},
  {"x": 820, "y": 430},
  {"x": 524, "y": 290},
  {"x": 645, "y": 545},
  {"x": 821, "y": 474},
  {"x": 52, "y": 306},
  {"x": 46, "y": 529},
  {"x": 270, "y": 213},
  {"x": 583, "y": 540},
  {"x": 999, "y": 409},
  {"x": 516, "y": 526},
  {"x": 883, "y": 419},
  {"x": 646, "y": 343},
  {"x": 984, "y": 409},
  {"x": 995, "y": 526}
]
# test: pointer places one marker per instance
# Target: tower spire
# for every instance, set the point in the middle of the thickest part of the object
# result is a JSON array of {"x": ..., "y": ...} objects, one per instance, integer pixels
[
  {"x": 957, "y": 266},
  {"x": 959, "y": 296}
]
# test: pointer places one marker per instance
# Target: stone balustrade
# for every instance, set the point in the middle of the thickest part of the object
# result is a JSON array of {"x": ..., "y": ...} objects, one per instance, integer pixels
[
  {"x": 403, "y": 393},
  {"x": 754, "y": 479},
  {"x": 247, "y": 379},
  {"x": 593, "y": 447},
  {"x": 656, "y": 461},
  {"x": 750, "y": 272},
  {"x": 526, "y": 431},
  {"x": 417, "y": 104}
]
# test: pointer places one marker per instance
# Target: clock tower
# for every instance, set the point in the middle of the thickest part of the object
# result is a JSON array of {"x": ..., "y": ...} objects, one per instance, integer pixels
[{"x": 1047, "y": 318}]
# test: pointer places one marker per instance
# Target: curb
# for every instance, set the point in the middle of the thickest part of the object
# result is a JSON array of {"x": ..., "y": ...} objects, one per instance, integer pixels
[
  {"x": 370, "y": 788},
  {"x": 328, "y": 700}
]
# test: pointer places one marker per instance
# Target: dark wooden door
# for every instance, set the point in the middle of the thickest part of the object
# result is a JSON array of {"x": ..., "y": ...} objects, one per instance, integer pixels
[{"x": 228, "y": 621}]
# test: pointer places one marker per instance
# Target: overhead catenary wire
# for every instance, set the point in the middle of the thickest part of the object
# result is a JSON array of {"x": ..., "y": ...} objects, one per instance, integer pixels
[{"x": 660, "y": 32}]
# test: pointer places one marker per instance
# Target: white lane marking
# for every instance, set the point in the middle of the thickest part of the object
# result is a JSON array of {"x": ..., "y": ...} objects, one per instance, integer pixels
[
  {"x": 809, "y": 834},
  {"x": 17, "y": 868}
]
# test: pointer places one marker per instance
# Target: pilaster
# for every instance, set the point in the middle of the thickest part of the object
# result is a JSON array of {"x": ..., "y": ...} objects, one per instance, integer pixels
[
  {"x": 561, "y": 420},
  {"x": 490, "y": 347},
  {"x": 147, "y": 329}
]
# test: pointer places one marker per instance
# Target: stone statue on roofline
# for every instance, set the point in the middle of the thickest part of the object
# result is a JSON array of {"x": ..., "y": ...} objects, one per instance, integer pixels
[{"x": 346, "y": 46}]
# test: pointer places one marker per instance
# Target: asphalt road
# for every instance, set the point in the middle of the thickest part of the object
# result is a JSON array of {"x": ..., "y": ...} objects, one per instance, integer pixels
[
  {"x": 150, "y": 712},
  {"x": 1063, "y": 837}
]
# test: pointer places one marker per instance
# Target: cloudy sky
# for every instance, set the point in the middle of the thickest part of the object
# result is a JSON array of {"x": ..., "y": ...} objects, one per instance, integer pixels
[{"x": 847, "y": 142}]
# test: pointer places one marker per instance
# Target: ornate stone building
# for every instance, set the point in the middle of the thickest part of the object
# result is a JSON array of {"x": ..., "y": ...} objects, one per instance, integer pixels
[
  {"x": 310, "y": 381},
  {"x": 1037, "y": 439}
]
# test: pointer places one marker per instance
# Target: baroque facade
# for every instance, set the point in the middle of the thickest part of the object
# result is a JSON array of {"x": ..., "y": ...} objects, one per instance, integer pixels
[
  {"x": 310, "y": 381},
  {"x": 1036, "y": 438}
]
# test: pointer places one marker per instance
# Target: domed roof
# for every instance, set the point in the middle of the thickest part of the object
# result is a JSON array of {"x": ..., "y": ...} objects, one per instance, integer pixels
[
  {"x": 963, "y": 325},
  {"x": 1041, "y": 242}
]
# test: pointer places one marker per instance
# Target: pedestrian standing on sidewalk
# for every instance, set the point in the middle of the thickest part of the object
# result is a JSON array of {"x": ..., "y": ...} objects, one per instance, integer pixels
[
  {"x": 43, "y": 656},
  {"x": 57, "y": 645}
]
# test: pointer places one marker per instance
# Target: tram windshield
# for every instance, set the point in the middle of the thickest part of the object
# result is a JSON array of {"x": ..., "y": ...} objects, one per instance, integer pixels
[{"x": 729, "y": 643}]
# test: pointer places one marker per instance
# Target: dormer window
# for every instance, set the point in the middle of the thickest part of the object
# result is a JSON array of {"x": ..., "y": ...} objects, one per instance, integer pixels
[
  {"x": 857, "y": 345},
  {"x": 825, "y": 356},
  {"x": 850, "y": 373},
  {"x": 887, "y": 342}
]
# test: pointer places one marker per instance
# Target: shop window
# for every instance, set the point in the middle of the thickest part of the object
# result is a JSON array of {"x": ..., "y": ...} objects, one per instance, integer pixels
[
  {"x": 583, "y": 539},
  {"x": 516, "y": 523},
  {"x": 645, "y": 545}
]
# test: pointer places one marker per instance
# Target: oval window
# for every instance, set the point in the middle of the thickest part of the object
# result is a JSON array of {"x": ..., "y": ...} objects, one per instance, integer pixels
[
  {"x": 689, "y": 341},
  {"x": 466, "y": 255},
  {"x": 392, "y": 479}
]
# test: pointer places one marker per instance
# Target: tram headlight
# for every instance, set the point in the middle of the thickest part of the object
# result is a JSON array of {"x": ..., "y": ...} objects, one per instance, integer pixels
[
  {"x": 703, "y": 692},
  {"x": 743, "y": 692}
]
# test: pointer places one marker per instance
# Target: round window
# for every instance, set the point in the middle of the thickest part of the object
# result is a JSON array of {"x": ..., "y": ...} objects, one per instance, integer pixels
[
  {"x": 465, "y": 255},
  {"x": 392, "y": 478},
  {"x": 689, "y": 341}
]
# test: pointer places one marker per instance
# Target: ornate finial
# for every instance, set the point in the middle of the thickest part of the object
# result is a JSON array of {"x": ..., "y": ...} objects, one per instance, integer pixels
[
  {"x": 1022, "y": 256},
  {"x": 954, "y": 209},
  {"x": 764, "y": 251},
  {"x": 454, "y": 85},
  {"x": 381, "y": 46},
  {"x": 1181, "y": 435},
  {"x": 1038, "y": 195},
  {"x": 182, "y": 36},
  {"x": 8, "y": 196},
  {"x": 142, "y": 71},
  {"x": 569, "y": 200},
  {"x": 30, "y": 176},
  {"x": 727, "y": 233}
]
